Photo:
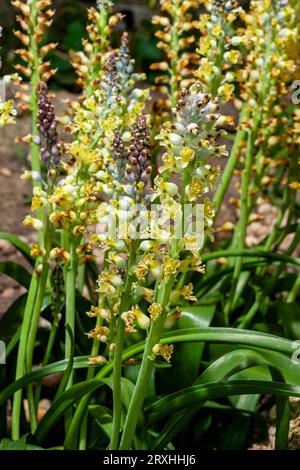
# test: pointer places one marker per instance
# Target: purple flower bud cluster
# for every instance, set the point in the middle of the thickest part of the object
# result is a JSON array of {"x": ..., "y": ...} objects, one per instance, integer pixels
[
  {"x": 124, "y": 63},
  {"x": 47, "y": 125},
  {"x": 111, "y": 81},
  {"x": 133, "y": 164},
  {"x": 120, "y": 156},
  {"x": 138, "y": 168}
]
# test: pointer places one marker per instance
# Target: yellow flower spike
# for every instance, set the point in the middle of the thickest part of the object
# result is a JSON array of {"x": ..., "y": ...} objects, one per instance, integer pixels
[
  {"x": 99, "y": 312},
  {"x": 295, "y": 185},
  {"x": 7, "y": 113},
  {"x": 62, "y": 218},
  {"x": 78, "y": 230},
  {"x": 196, "y": 189},
  {"x": 176, "y": 28},
  {"x": 100, "y": 333},
  {"x": 187, "y": 155},
  {"x": 129, "y": 319},
  {"x": 170, "y": 266},
  {"x": 37, "y": 250},
  {"x": 60, "y": 254},
  {"x": 155, "y": 311},
  {"x": 30, "y": 221},
  {"x": 172, "y": 318},
  {"x": 38, "y": 203},
  {"x": 217, "y": 31},
  {"x": 142, "y": 320},
  {"x": 148, "y": 294},
  {"x": 97, "y": 360},
  {"x": 187, "y": 293},
  {"x": 165, "y": 351}
]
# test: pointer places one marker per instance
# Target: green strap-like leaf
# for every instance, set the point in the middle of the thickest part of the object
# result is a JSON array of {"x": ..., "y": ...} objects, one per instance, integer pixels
[
  {"x": 64, "y": 382},
  {"x": 250, "y": 254},
  {"x": 198, "y": 393},
  {"x": 68, "y": 398},
  {"x": 219, "y": 335},
  {"x": 20, "y": 444},
  {"x": 17, "y": 272},
  {"x": 19, "y": 245},
  {"x": 36, "y": 375},
  {"x": 222, "y": 368}
]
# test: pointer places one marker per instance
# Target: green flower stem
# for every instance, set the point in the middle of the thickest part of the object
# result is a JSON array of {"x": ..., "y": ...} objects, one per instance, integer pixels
[
  {"x": 35, "y": 166},
  {"x": 294, "y": 291},
  {"x": 274, "y": 235},
  {"x": 17, "y": 400},
  {"x": 262, "y": 298},
  {"x": 47, "y": 354},
  {"x": 276, "y": 228},
  {"x": 90, "y": 375},
  {"x": 70, "y": 284},
  {"x": 79, "y": 421},
  {"x": 228, "y": 172},
  {"x": 81, "y": 277},
  {"x": 117, "y": 371},
  {"x": 174, "y": 61},
  {"x": 34, "y": 83},
  {"x": 35, "y": 322},
  {"x": 146, "y": 367},
  {"x": 276, "y": 274},
  {"x": 70, "y": 288},
  {"x": 31, "y": 341},
  {"x": 243, "y": 222},
  {"x": 51, "y": 340},
  {"x": 99, "y": 48}
]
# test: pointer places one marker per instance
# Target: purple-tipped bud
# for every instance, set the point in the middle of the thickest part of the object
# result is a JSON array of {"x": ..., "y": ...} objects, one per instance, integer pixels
[{"x": 47, "y": 125}]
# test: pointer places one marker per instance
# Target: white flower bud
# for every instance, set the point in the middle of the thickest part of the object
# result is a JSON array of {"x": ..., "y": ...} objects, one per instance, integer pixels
[{"x": 175, "y": 139}]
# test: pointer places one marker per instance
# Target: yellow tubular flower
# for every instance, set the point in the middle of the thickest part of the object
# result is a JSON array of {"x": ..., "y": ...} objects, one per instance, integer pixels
[
  {"x": 217, "y": 48},
  {"x": 175, "y": 35},
  {"x": 155, "y": 311},
  {"x": 166, "y": 351},
  {"x": 35, "y": 16}
]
